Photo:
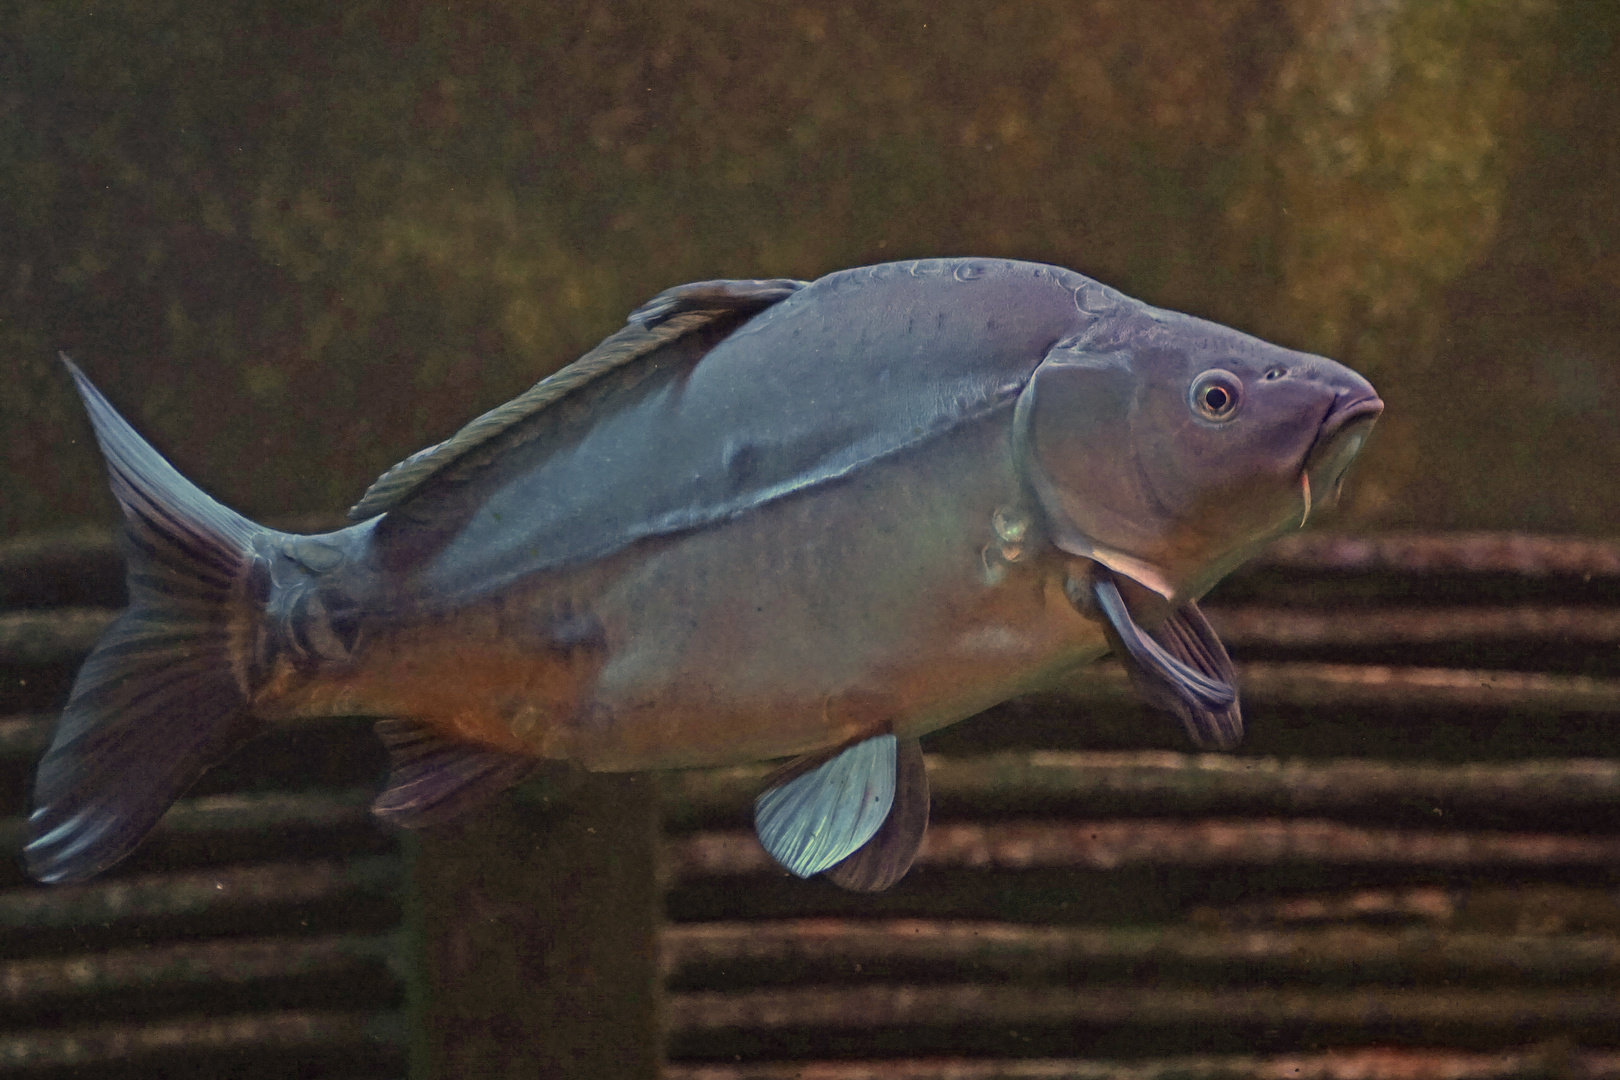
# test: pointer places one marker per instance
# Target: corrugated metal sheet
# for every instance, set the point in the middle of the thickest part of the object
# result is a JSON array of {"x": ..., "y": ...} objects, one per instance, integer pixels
[{"x": 1412, "y": 871}]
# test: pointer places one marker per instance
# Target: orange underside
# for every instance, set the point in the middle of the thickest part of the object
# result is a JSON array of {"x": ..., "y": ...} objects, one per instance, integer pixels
[{"x": 481, "y": 691}]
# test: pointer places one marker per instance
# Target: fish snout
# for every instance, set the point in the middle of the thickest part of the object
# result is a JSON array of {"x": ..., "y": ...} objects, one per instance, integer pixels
[{"x": 1356, "y": 406}]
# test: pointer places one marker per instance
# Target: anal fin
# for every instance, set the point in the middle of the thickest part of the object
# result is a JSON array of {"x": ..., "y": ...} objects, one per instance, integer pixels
[
  {"x": 433, "y": 779},
  {"x": 827, "y": 807},
  {"x": 884, "y": 859}
]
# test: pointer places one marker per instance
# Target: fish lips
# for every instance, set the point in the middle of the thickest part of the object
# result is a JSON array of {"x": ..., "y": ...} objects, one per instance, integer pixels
[{"x": 1339, "y": 439}]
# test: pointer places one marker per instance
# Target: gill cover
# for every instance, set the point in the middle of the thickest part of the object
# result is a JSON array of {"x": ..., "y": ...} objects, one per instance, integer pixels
[{"x": 1075, "y": 448}]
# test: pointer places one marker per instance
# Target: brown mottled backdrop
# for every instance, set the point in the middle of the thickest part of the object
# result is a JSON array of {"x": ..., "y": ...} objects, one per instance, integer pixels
[{"x": 297, "y": 241}]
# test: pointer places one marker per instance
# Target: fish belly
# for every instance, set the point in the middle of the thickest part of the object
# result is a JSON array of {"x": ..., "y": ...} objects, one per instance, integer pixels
[{"x": 866, "y": 604}]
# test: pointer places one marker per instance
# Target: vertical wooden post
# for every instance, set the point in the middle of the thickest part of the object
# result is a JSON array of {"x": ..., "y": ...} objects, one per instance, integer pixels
[{"x": 536, "y": 923}]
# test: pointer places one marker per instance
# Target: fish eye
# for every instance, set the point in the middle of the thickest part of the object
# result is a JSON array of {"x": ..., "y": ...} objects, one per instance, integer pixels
[{"x": 1216, "y": 395}]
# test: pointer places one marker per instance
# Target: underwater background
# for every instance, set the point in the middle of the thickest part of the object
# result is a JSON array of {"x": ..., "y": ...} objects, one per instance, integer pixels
[
  {"x": 299, "y": 241},
  {"x": 295, "y": 242}
]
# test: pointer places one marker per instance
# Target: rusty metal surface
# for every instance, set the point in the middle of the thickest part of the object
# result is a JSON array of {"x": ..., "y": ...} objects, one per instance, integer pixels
[
  {"x": 201, "y": 964},
  {"x": 1102, "y": 781},
  {"x": 1253, "y": 625},
  {"x": 53, "y": 636},
  {"x": 1109, "y": 845},
  {"x": 1507, "y": 908},
  {"x": 278, "y": 1032},
  {"x": 1357, "y": 686},
  {"x": 801, "y": 947},
  {"x": 1369, "y": 1011},
  {"x": 231, "y": 889},
  {"x": 1382, "y": 686},
  {"x": 1422, "y": 904},
  {"x": 1475, "y": 553},
  {"x": 1382, "y": 1063}
]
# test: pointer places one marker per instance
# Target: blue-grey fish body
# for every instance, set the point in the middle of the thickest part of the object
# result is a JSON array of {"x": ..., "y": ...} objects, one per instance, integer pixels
[
  {"x": 767, "y": 519},
  {"x": 877, "y": 602},
  {"x": 761, "y": 549}
]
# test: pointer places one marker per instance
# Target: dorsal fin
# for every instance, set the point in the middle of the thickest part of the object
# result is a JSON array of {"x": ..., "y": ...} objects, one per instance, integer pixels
[
  {"x": 748, "y": 297},
  {"x": 670, "y": 315}
]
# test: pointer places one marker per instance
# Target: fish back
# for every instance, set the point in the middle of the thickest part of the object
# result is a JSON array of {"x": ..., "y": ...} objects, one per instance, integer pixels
[
  {"x": 857, "y": 366},
  {"x": 713, "y": 306}
]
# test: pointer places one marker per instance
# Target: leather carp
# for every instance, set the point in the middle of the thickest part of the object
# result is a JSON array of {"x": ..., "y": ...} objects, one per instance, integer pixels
[{"x": 766, "y": 519}]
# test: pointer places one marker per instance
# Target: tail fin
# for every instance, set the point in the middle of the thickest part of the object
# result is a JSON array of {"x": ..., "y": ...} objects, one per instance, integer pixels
[{"x": 158, "y": 701}]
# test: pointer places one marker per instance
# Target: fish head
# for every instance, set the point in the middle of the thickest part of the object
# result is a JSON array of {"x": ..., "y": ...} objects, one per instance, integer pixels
[{"x": 1170, "y": 449}]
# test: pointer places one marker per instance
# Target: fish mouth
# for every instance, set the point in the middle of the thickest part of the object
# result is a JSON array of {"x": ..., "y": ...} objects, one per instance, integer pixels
[{"x": 1338, "y": 441}]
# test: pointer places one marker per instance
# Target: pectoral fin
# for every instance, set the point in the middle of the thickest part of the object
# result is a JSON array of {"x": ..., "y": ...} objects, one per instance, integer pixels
[
  {"x": 433, "y": 779},
  {"x": 820, "y": 815},
  {"x": 1182, "y": 668},
  {"x": 884, "y": 859},
  {"x": 1187, "y": 636}
]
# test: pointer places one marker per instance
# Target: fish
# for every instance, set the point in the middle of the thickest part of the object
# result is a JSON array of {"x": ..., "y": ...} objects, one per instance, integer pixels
[{"x": 765, "y": 520}]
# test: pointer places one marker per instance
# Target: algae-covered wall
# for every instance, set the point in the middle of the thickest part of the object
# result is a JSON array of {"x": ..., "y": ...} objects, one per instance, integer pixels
[{"x": 297, "y": 241}]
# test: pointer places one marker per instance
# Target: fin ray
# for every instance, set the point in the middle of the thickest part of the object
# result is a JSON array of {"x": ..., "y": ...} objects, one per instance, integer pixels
[
  {"x": 157, "y": 702},
  {"x": 1181, "y": 668},
  {"x": 821, "y": 816},
  {"x": 1187, "y": 635},
  {"x": 884, "y": 859},
  {"x": 433, "y": 779},
  {"x": 1144, "y": 655}
]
